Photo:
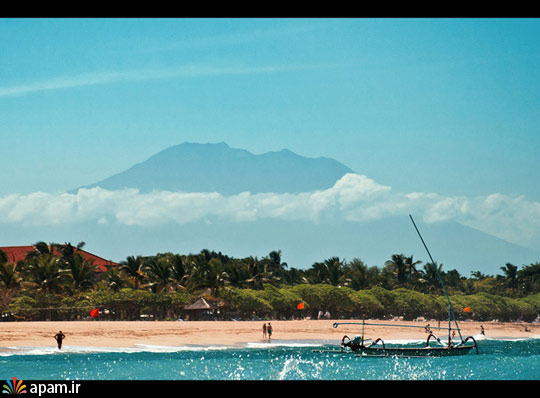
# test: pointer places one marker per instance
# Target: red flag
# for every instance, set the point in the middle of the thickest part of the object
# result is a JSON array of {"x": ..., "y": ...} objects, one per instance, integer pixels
[
  {"x": 94, "y": 313},
  {"x": 300, "y": 306},
  {"x": 467, "y": 309}
]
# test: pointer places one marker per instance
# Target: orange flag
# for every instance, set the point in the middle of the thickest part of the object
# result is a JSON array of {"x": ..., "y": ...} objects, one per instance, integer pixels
[
  {"x": 467, "y": 309},
  {"x": 300, "y": 306}
]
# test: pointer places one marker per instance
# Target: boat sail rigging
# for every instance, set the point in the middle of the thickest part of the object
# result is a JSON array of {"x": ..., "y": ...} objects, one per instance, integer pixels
[
  {"x": 358, "y": 345},
  {"x": 451, "y": 315}
]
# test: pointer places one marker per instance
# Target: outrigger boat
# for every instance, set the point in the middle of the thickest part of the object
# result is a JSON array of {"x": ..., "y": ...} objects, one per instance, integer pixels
[
  {"x": 377, "y": 348},
  {"x": 367, "y": 347}
]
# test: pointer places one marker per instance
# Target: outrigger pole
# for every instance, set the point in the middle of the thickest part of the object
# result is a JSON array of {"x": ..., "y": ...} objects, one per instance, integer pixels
[
  {"x": 451, "y": 314},
  {"x": 336, "y": 324}
]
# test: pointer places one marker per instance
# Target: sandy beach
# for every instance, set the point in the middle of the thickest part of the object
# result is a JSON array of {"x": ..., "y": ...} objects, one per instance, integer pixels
[{"x": 130, "y": 334}]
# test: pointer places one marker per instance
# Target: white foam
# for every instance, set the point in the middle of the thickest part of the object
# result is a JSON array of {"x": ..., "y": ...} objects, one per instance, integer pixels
[
  {"x": 30, "y": 350},
  {"x": 158, "y": 348},
  {"x": 263, "y": 344},
  {"x": 34, "y": 350},
  {"x": 289, "y": 343}
]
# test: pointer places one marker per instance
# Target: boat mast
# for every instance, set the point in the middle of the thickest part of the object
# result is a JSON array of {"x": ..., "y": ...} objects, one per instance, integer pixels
[{"x": 451, "y": 314}]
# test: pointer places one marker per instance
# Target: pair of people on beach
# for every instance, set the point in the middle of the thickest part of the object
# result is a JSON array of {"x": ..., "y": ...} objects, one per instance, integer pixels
[{"x": 267, "y": 330}]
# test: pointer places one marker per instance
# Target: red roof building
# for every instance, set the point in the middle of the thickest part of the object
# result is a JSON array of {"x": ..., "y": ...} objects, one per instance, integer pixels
[{"x": 18, "y": 253}]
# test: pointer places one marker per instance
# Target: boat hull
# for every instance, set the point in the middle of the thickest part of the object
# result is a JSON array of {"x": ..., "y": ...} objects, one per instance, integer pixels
[{"x": 412, "y": 351}]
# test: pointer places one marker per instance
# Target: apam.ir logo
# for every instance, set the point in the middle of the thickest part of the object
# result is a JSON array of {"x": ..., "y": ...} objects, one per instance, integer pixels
[{"x": 14, "y": 387}]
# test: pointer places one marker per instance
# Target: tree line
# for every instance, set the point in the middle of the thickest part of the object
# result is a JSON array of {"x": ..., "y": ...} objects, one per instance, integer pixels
[{"x": 57, "y": 282}]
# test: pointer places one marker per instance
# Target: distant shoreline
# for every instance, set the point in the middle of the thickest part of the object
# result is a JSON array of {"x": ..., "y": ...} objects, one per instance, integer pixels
[{"x": 126, "y": 334}]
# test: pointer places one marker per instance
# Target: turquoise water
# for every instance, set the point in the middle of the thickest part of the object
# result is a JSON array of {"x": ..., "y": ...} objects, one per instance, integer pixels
[{"x": 279, "y": 360}]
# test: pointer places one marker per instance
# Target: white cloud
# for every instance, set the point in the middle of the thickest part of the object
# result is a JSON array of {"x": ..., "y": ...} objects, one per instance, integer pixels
[
  {"x": 181, "y": 71},
  {"x": 353, "y": 198}
]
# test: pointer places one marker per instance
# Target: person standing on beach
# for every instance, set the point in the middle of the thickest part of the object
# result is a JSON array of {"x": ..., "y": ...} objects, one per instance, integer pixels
[
  {"x": 264, "y": 330},
  {"x": 269, "y": 330},
  {"x": 59, "y": 337}
]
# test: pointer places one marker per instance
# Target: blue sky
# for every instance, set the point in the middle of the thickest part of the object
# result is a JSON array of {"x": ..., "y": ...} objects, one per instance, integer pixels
[
  {"x": 447, "y": 106},
  {"x": 450, "y": 105}
]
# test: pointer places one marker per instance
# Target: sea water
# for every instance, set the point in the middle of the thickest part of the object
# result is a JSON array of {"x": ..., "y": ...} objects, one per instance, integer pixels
[{"x": 509, "y": 359}]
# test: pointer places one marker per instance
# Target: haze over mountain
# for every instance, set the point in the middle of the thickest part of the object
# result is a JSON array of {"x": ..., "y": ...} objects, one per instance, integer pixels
[
  {"x": 193, "y": 167},
  {"x": 310, "y": 208}
]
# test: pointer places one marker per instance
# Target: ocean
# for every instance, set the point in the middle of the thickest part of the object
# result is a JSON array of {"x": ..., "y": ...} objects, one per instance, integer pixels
[{"x": 509, "y": 359}]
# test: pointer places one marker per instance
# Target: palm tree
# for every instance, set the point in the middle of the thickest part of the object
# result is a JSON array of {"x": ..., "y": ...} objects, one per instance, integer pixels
[
  {"x": 529, "y": 278},
  {"x": 9, "y": 276},
  {"x": 40, "y": 248},
  {"x": 411, "y": 267},
  {"x": 208, "y": 275},
  {"x": 335, "y": 270},
  {"x": 274, "y": 265},
  {"x": 3, "y": 257},
  {"x": 237, "y": 273},
  {"x": 45, "y": 272},
  {"x": 330, "y": 271},
  {"x": 178, "y": 269},
  {"x": 454, "y": 281},
  {"x": 67, "y": 250},
  {"x": 113, "y": 279},
  {"x": 82, "y": 271},
  {"x": 318, "y": 273},
  {"x": 256, "y": 272},
  {"x": 159, "y": 272},
  {"x": 356, "y": 274},
  {"x": 404, "y": 268},
  {"x": 510, "y": 275},
  {"x": 133, "y": 267},
  {"x": 295, "y": 276},
  {"x": 430, "y": 276},
  {"x": 8, "y": 272},
  {"x": 399, "y": 267}
]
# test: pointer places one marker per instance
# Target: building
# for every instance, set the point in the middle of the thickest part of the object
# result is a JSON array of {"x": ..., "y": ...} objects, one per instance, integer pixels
[
  {"x": 18, "y": 253},
  {"x": 203, "y": 309}
]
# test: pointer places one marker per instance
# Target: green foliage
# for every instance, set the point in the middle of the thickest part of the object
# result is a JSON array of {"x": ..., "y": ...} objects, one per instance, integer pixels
[
  {"x": 411, "y": 304},
  {"x": 283, "y": 301},
  {"x": 383, "y": 296},
  {"x": 322, "y": 297},
  {"x": 23, "y": 307},
  {"x": 528, "y": 278},
  {"x": 366, "y": 305},
  {"x": 58, "y": 286},
  {"x": 9, "y": 277},
  {"x": 533, "y": 301},
  {"x": 486, "y": 307},
  {"x": 247, "y": 303}
]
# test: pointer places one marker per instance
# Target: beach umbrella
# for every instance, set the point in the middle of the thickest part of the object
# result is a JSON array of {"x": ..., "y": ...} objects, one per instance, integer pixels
[
  {"x": 94, "y": 313},
  {"x": 300, "y": 306}
]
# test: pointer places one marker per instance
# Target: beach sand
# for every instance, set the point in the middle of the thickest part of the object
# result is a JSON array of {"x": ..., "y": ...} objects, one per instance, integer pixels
[{"x": 161, "y": 333}]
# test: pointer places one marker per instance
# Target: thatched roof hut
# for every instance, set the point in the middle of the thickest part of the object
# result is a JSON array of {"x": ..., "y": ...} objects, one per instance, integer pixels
[
  {"x": 200, "y": 309},
  {"x": 200, "y": 304}
]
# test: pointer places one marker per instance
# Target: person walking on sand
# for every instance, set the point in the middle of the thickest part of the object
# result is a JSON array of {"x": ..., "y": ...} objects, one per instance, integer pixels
[
  {"x": 482, "y": 330},
  {"x": 59, "y": 337},
  {"x": 269, "y": 330},
  {"x": 264, "y": 330}
]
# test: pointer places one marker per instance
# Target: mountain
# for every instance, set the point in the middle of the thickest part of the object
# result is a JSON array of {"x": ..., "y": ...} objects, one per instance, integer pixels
[{"x": 192, "y": 167}]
